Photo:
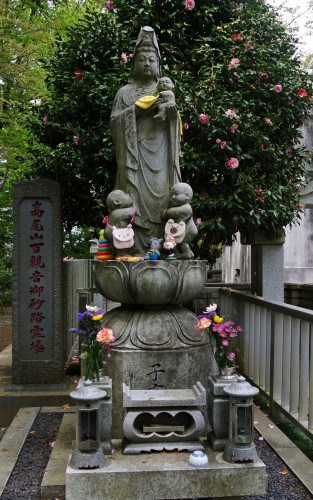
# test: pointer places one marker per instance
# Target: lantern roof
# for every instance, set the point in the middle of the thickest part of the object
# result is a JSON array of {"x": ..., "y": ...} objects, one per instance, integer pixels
[
  {"x": 241, "y": 388},
  {"x": 88, "y": 393}
]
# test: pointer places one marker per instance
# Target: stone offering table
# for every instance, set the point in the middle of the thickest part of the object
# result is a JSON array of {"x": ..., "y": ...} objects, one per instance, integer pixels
[{"x": 164, "y": 419}]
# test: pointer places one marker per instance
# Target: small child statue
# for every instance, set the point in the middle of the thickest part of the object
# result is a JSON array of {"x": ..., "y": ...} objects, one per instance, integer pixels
[
  {"x": 180, "y": 211},
  {"x": 162, "y": 96},
  {"x": 121, "y": 214},
  {"x": 165, "y": 93}
]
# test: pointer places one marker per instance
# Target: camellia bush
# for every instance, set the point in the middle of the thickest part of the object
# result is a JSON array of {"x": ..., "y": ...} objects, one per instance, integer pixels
[{"x": 240, "y": 91}]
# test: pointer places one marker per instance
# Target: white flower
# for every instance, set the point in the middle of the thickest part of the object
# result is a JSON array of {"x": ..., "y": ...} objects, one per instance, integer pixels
[
  {"x": 92, "y": 309},
  {"x": 210, "y": 308}
]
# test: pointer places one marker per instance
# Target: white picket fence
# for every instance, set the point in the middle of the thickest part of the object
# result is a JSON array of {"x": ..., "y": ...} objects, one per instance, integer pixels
[{"x": 275, "y": 352}]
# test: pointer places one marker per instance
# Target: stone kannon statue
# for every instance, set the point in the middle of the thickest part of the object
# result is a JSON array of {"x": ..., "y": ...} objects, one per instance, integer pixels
[{"x": 146, "y": 129}]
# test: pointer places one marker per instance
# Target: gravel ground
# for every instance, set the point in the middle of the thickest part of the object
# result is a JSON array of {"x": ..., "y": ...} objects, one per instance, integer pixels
[
  {"x": 282, "y": 483},
  {"x": 27, "y": 475},
  {"x": 29, "y": 469}
]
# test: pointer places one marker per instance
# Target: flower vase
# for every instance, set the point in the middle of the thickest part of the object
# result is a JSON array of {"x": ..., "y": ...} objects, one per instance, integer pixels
[
  {"x": 92, "y": 357},
  {"x": 227, "y": 373}
]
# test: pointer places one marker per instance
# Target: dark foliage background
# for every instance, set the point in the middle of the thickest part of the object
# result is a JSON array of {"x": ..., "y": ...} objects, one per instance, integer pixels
[{"x": 231, "y": 61}]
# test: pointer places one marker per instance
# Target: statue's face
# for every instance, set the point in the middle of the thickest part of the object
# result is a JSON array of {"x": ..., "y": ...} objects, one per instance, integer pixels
[
  {"x": 179, "y": 196},
  {"x": 165, "y": 84},
  {"x": 146, "y": 65}
]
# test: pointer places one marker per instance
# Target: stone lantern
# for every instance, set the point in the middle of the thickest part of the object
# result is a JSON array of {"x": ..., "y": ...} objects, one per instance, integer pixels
[
  {"x": 88, "y": 453},
  {"x": 240, "y": 446}
]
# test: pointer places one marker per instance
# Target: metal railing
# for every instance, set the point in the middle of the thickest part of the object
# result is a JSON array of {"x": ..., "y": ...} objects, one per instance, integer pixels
[{"x": 275, "y": 352}]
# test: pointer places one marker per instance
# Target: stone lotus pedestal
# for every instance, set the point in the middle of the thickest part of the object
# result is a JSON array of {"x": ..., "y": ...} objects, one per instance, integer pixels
[{"x": 157, "y": 342}]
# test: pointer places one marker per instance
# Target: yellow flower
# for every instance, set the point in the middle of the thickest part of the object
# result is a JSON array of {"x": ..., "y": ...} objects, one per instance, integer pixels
[
  {"x": 217, "y": 319},
  {"x": 98, "y": 317}
]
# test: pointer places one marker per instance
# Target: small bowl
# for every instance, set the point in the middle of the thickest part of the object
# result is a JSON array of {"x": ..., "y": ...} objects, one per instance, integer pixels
[
  {"x": 153, "y": 256},
  {"x": 198, "y": 459}
]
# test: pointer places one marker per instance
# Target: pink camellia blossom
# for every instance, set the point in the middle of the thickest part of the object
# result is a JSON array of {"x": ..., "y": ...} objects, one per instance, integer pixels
[
  {"x": 203, "y": 118},
  {"x": 198, "y": 222},
  {"x": 232, "y": 356},
  {"x": 278, "y": 88},
  {"x": 231, "y": 113},
  {"x": 190, "y": 4},
  {"x": 218, "y": 141},
  {"x": 76, "y": 139},
  {"x": 302, "y": 93},
  {"x": 223, "y": 144},
  {"x": 232, "y": 130},
  {"x": 186, "y": 126},
  {"x": 232, "y": 163},
  {"x": 110, "y": 5},
  {"x": 268, "y": 121},
  {"x": 234, "y": 62},
  {"x": 261, "y": 146},
  {"x": 105, "y": 336},
  {"x": 124, "y": 57},
  {"x": 225, "y": 342}
]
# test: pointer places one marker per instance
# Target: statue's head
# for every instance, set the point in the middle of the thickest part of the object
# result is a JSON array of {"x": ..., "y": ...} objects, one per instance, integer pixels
[
  {"x": 146, "y": 56},
  {"x": 118, "y": 199},
  {"x": 181, "y": 193},
  {"x": 165, "y": 83}
]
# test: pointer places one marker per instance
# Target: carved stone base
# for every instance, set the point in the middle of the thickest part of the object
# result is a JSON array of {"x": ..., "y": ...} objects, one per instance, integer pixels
[
  {"x": 137, "y": 448},
  {"x": 88, "y": 460},
  {"x": 234, "y": 453}
]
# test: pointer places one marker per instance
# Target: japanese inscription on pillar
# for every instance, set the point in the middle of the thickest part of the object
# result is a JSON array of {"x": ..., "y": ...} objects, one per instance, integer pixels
[
  {"x": 38, "y": 345},
  {"x": 36, "y": 279}
]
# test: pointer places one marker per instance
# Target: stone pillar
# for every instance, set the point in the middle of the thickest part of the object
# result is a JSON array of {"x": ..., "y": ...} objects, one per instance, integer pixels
[
  {"x": 267, "y": 266},
  {"x": 38, "y": 335},
  {"x": 218, "y": 412}
]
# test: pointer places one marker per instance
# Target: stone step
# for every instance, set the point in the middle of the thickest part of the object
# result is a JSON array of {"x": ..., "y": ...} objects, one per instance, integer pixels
[{"x": 53, "y": 483}]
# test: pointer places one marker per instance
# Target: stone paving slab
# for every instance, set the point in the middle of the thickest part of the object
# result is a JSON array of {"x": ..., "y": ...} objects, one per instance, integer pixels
[
  {"x": 297, "y": 462},
  {"x": 12, "y": 442}
]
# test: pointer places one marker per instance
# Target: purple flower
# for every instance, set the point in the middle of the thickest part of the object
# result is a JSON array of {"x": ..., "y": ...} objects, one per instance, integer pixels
[{"x": 81, "y": 316}]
